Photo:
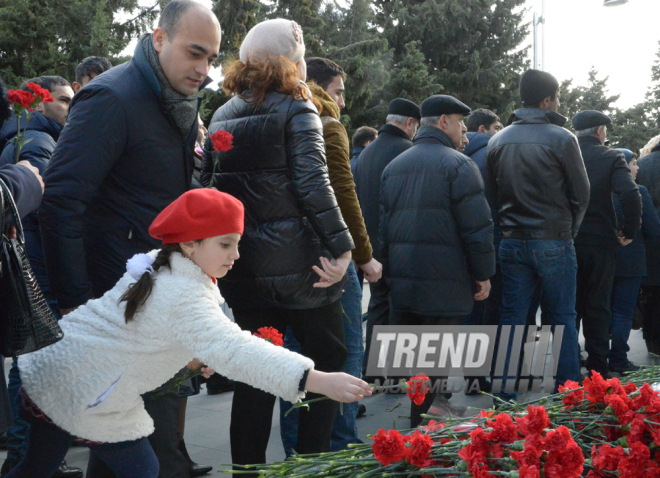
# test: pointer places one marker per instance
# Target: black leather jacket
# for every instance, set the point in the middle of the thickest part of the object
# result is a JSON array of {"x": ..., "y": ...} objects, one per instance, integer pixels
[
  {"x": 537, "y": 177},
  {"x": 277, "y": 168}
]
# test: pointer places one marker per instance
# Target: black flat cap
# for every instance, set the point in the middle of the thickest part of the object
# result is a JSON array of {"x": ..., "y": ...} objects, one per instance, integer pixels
[
  {"x": 403, "y": 107},
  {"x": 590, "y": 119},
  {"x": 438, "y": 105}
]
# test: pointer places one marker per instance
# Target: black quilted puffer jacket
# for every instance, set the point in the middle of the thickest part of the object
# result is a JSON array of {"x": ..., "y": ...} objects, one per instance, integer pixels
[{"x": 277, "y": 168}]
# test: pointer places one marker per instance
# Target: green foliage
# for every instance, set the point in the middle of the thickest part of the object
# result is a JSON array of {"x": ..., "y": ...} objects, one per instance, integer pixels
[{"x": 50, "y": 37}]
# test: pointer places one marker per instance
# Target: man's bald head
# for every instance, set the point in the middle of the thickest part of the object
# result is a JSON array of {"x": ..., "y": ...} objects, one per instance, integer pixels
[{"x": 174, "y": 12}]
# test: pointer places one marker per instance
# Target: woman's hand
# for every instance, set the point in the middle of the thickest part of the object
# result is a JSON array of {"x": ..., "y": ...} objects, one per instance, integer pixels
[
  {"x": 338, "y": 386},
  {"x": 333, "y": 270}
]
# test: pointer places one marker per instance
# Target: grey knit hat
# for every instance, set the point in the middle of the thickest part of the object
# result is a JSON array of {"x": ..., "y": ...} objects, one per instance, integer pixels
[{"x": 278, "y": 37}]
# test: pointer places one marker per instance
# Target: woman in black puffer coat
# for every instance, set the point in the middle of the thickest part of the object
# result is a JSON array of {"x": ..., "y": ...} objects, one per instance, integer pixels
[{"x": 294, "y": 231}]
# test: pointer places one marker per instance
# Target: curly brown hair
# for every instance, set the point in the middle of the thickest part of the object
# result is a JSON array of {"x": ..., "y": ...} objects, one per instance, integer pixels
[{"x": 256, "y": 78}]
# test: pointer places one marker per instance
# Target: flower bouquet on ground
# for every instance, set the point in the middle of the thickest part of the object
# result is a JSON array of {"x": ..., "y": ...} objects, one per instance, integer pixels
[{"x": 603, "y": 429}]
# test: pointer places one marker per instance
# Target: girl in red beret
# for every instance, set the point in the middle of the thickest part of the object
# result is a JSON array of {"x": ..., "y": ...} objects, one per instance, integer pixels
[{"x": 163, "y": 312}]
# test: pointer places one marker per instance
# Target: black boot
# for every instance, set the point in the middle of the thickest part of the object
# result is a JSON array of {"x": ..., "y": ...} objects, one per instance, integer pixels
[
  {"x": 195, "y": 469},
  {"x": 66, "y": 471}
]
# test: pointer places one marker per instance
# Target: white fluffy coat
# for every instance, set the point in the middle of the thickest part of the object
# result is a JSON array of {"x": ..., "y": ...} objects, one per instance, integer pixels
[{"x": 181, "y": 319}]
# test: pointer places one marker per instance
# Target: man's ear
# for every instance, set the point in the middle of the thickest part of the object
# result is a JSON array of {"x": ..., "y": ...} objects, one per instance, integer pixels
[
  {"x": 482, "y": 129},
  {"x": 159, "y": 39},
  {"x": 76, "y": 87}
]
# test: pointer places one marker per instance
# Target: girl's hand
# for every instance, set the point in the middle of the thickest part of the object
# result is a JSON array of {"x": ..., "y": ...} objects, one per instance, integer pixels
[
  {"x": 195, "y": 364},
  {"x": 333, "y": 270},
  {"x": 207, "y": 372},
  {"x": 338, "y": 386}
]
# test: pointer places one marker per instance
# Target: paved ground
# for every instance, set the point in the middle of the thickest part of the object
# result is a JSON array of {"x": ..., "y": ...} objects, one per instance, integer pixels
[{"x": 207, "y": 418}]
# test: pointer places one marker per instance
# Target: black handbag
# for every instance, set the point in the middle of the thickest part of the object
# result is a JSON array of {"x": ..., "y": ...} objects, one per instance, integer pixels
[{"x": 26, "y": 322}]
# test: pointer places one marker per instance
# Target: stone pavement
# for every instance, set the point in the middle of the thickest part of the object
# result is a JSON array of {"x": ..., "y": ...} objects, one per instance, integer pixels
[{"x": 207, "y": 417}]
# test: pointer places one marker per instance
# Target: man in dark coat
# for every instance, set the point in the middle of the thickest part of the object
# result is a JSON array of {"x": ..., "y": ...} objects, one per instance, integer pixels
[
  {"x": 540, "y": 188},
  {"x": 362, "y": 138},
  {"x": 125, "y": 154},
  {"x": 599, "y": 235},
  {"x": 394, "y": 137},
  {"x": 436, "y": 232}
]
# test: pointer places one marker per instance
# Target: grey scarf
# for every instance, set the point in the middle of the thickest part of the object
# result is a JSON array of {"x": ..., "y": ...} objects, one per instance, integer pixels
[{"x": 181, "y": 108}]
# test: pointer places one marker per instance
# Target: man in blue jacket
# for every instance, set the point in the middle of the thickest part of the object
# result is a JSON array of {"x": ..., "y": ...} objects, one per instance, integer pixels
[{"x": 125, "y": 154}]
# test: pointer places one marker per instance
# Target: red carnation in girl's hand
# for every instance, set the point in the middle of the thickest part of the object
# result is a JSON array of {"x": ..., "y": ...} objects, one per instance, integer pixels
[
  {"x": 222, "y": 141},
  {"x": 388, "y": 447},
  {"x": 21, "y": 98},
  {"x": 271, "y": 335},
  {"x": 42, "y": 93},
  {"x": 418, "y": 387}
]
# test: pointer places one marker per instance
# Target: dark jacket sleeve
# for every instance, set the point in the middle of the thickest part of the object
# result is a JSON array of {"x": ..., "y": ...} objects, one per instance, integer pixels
[
  {"x": 627, "y": 191},
  {"x": 383, "y": 220},
  {"x": 38, "y": 150},
  {"x": 92, "y": 141},
  {"x": 472, "y": 215},
  {"x": 206, "y": 173},
  {"x": 24, "y": 187},
  {"x": 577, "y": 182},
  {"x": 309, "y": 175},
  {"x": 491, "y": 177},
  {"x": 650, "y": 219},
  {"x": 341, "y": 180}
]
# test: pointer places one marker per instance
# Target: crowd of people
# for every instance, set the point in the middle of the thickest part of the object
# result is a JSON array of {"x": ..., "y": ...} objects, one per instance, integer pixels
[{"x": 450, "y": 222}]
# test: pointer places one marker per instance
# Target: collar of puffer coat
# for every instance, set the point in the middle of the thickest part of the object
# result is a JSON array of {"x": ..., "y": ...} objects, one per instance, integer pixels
[
  {"x": 322, "y": 100},
  {"x": 431, "y": 134},
  {"x": 538, "y": 116}
]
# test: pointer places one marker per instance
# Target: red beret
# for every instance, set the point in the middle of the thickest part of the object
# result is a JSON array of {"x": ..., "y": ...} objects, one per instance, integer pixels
[{"x": 198, "y": 214}]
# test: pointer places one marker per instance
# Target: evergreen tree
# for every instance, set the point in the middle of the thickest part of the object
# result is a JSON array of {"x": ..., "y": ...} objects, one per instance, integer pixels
[{"x": 50, "y": 37}]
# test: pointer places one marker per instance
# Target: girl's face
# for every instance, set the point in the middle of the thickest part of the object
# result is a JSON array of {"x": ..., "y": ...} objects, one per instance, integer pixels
[
  {"x": 214, "y": 255},
  {"x": 633, "y": 168}
]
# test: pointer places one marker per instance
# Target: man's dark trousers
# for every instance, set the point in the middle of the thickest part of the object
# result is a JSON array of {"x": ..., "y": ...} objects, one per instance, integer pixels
[
  {"x": 411, "y": 318},
  {"x": 595, "y": 279},
  {"x": 378, "y": 313}
]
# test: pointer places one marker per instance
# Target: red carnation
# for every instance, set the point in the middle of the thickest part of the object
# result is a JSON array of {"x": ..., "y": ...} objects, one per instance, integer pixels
[
  {"x": 534, "y": 422},
  {"x": 418, "y": 387},
  {"x": 606, "y": 457},
  {"x": 528, "y": 472},
  {"x": 530, "y": 456},
  {"x": 557, "y": 440},
  {"x": 21, "y": 98},
  {"x": 637, "y": 428},
  {"x": 222, "y": 141},
  {"x": 504, "y": 430},
  {"x": 475, "y": 452},
  {"x": 388, "y": 447},
  {"x": 433, "y": 426},
  {"x": 646, "y": 396},
  {"x": 619, "y": 407},
  {"x": 420, "y": 449},
  {"x": 42, "y": 93},
  {"x": 575, "y": 393},
  {"x": 566, "y": 463},
  {"x": 271, "y": 335},
  {"x": 630, "y": 387},
  {"x": 635, "y": 464},
  {"x": 596, "y": 387}
]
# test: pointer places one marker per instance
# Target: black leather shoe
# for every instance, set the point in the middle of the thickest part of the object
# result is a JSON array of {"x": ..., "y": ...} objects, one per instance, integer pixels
[
  {"x": 627, "y": 368},
  {"x": 195, "y": 469},
  {"x": 68, "y": 472}
]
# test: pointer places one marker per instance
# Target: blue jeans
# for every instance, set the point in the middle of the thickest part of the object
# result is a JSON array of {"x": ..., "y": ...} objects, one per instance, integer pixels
[
  {"x": 48, "y": 445},
  {"x": 344, "y": 430},
  {"x": 624, "y": 298},
  {"x": 18, "y": 433},
  {"x": 548, "y": 269}
]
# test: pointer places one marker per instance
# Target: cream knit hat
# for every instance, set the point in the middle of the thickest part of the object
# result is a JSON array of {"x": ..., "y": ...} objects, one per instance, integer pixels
[{"x": 278, "y": 37}]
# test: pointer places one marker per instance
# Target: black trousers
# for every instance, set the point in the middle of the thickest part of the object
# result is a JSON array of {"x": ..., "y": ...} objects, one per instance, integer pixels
[
  {"x": 164, "y": 440},
  {"x": 378, "y": 313},
  {"x": 411, "y": 318},
  {"x": 320, "y": 332},
  {"x": 595, "y": 279},
  {"x": 651, "y": 323}
]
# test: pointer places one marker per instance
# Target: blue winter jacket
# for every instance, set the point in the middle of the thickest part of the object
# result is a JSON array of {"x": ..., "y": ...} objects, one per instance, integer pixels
[{"x": 40, "y": 140}]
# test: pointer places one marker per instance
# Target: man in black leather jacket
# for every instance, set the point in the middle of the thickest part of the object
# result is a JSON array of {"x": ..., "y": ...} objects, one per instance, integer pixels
[
  {"x": 540, "y": 188},
  {"x": 596, "y": 243}
]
